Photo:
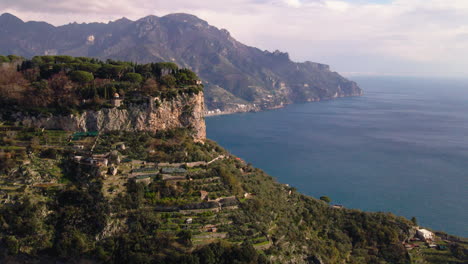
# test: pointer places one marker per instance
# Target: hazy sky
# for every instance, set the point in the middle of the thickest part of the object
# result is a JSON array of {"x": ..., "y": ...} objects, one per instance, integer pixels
[{"x": 402, "y": 37}]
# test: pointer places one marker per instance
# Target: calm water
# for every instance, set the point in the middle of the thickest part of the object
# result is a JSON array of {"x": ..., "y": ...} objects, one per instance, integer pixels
[{"x": 403, "y": 148}]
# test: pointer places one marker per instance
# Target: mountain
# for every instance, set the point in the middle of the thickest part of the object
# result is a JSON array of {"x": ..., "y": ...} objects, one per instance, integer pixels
[{"x": 237, "y": 77}]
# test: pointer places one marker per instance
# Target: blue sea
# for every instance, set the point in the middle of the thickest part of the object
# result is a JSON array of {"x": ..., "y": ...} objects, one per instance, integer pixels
[{"x": 400, "y": 148}]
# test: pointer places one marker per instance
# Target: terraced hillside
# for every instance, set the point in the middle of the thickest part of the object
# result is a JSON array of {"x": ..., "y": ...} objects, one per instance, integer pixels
[{"x": 126, "y": 197}]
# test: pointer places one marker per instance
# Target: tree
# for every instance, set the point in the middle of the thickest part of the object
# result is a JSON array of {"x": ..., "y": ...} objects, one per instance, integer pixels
[
  {"x": 12, "y": 84},
  {"x": 325, "y": 199},
  {"x": 63, "y": 59},
  {"x": 63, "y": 90},
  {"x": 89, "y": 67},
  {"x": 185, "y": 236},
  {"x": 145, "y": 70},
  {"x": 168, "y": 80},
  {"x": 12, "y": 245},
  {"x": 133, "y": 77},
  {"x": 414, "y": 220},
  {"x": 110, "y": 71},
  {"x": 4, "y": 59},
  {"x": 458, "y": 251},
  {"x": 186, "y": 77},
  {"x": 150, "y": 86},
  {"x": 40, "y": 94},
  {"x": 207, "y": 256},
  {"x": 81, "y": 77},
  {"x": 49, "y": 153},
  {"x": 72, "y": 243},
  {"x": 14, "y": 58},
  {"x": 163, "y": 68}
]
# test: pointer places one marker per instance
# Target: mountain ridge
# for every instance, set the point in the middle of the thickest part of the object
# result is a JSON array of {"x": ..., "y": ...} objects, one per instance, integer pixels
[{"x": 237, "y": 77}]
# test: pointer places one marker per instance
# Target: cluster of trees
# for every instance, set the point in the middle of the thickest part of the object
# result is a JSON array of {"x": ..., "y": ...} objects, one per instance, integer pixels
[
  {"x": 67, "y": 83},
  {"x": 10, "y": 58},
  {"x": 222, "y": 253},
  {"x": 84, "y": 70}
]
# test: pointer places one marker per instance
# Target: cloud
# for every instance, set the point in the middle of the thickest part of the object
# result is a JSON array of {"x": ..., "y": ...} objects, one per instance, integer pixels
[
  {"x": 293, "y": 3},
  {"x": 339, "y": 6},
  {"x": 425, "y": 37}
]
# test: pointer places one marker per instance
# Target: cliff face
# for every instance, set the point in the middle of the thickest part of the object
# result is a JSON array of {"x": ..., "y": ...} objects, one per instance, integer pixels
[{"x": 183, "y": 112}]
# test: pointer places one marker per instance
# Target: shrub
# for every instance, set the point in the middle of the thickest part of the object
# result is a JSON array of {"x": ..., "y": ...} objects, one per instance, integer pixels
[
  {"x": 325, "y": 199},
  {"x": 49, "y": 153}
]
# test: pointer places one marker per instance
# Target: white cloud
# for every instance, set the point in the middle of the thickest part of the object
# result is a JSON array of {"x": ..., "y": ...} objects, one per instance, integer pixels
[
  {"x": 339, "y": 6},
  {"x": 293, "y": 3},
  {"x": 404, "y": 36}
]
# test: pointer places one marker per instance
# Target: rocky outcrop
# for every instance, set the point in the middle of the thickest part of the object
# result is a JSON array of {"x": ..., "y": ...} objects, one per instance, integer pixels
[{"x": 182, "y": 112}]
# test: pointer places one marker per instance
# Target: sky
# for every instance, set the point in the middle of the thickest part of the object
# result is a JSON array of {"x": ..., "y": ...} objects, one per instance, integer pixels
[{"x": 355, "y": 37}]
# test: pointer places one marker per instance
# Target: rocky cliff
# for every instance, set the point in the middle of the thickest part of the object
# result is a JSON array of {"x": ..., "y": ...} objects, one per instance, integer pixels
[{"x": 182, "y": 112}]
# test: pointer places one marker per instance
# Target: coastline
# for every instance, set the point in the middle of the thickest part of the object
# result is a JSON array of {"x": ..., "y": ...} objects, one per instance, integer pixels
[
  {"x": 337, "y": 139},
  {"x": 254, "y": 108}
]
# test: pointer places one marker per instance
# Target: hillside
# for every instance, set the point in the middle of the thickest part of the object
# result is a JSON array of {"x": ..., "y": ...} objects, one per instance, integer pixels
[
  {"x": 236, "y": 77},
  {"x": 137, "y": 197},
  {"x": 162, "y": 193}
]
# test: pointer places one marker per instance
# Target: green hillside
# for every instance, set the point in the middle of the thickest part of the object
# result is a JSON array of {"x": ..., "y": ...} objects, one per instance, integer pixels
[{"x": 142, "y": 198}]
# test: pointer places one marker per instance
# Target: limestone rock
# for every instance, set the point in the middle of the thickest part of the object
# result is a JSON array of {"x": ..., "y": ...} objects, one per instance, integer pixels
[{"x": 183, "y": 112}]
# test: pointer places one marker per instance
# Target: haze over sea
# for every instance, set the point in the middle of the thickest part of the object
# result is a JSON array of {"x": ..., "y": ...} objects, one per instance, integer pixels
[{"x": 400, "y": 148}]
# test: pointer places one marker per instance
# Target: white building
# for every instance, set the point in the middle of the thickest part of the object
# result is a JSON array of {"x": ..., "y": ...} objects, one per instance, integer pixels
[{"x": 425, "y": 235}]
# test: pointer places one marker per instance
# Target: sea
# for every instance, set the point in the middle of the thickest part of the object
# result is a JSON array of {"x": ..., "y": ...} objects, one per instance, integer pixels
[{"x": 400, "y": 148}]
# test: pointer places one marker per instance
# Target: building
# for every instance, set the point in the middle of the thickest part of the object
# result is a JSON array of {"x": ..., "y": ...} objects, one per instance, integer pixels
[
  {"x": 432, "y": 245},
  {"x": 425, "y": 235},
  {"x": 173, "y": 170},
  {"x": 116, "y": 101},
  {"x": 248, "y": 195},
  {"x": 120, "y": 146},
  {"x": 145, "y": 179},
  {"x": 189, "y": 221},
  {"x": 112, "y": 171},
  {"x": 101, "y": 162},
  {"x": 204, "y": 195},
  {"x": 94, "y": 161},
  {"x": 210, "y": 228}
]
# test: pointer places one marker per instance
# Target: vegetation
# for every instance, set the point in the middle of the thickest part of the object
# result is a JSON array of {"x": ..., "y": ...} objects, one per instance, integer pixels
[
  {"x": 325, "y": 199},
  {"x": 54, "y": 206},
  {"x": 141, "y": 197},
  {"x": 10, "y": 58},
  {"x": 64, "y": 84}
]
